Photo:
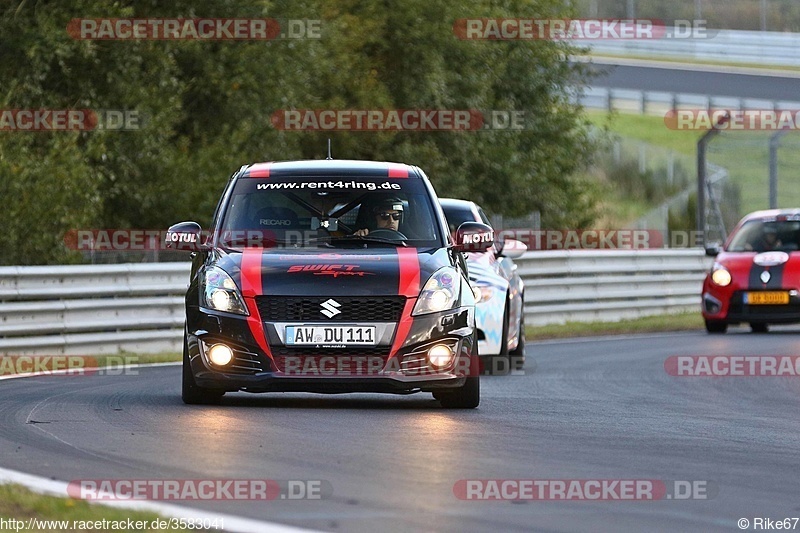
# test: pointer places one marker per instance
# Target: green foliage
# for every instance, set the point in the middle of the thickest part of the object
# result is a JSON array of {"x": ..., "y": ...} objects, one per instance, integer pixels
[{"x": 206, "y": 109}]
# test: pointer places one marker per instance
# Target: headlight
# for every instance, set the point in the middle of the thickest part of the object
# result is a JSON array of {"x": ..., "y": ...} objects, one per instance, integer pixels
[
  {"x": 720, "y": 275},
  {"x": 219, "y": 292},
  {"x": 440, "y": 292}
]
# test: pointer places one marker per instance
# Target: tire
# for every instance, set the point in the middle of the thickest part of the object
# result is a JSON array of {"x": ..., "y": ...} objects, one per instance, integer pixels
[
  {"x": 191, "y": 393},
  {"x": 759, "y": 328},
  {"x": 715, "y": 326},
  {"x": 467, "y": 396},
  {"x": 517, "y": 355}
]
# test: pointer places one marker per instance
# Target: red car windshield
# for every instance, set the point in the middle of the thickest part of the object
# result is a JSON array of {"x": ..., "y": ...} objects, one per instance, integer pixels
[{"x": 766, "y": 236}]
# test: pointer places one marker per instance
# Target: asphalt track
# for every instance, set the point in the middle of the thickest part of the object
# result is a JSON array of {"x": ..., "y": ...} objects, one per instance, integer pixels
[
  {"x": 585, "y": 409},
  {"x": 695, "y": 80}
]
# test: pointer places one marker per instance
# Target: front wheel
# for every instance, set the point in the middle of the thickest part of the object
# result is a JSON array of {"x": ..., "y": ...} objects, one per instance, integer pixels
[
  {"x": 191, "y": 393},
  {"x": 715, "y": 326},
  {"x": 467, "y": 396}
]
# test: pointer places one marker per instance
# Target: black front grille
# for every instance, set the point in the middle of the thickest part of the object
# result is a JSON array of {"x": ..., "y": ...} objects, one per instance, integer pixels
[
  {"x": 353, "y": 309},
  {"x": 283, "y": 351},
  {"x": 738, "y": 309},
  {"x": 764, "y": 310}
]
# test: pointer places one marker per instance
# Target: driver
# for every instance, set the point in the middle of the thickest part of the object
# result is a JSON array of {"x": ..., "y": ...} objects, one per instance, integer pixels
[
  {"x": 387, "y": 214},
  {"x": 767, "y": 241}
]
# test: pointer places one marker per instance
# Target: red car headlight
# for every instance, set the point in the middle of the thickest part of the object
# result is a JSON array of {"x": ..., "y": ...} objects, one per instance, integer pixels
[{"x": 720, "y": 275}]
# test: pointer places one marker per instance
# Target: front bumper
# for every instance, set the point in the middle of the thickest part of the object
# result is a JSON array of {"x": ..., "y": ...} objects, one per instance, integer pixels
[
  {"x": 732, "y": 309},
  {"x": 334, "y": 370}
]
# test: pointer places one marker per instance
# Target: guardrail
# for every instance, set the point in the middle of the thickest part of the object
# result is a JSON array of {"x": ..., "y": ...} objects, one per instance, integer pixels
[
  {"x": 736, "y": 46},
  {"x": 91, "y": 309},
  {"x": 659, "y": 102},
  {"x": 609, "y": 285}
]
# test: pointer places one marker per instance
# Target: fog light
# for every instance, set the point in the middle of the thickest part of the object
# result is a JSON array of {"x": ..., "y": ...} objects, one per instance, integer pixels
[
  {"x": 440, "y": 356},
  {"x": 220, "y": 355}
]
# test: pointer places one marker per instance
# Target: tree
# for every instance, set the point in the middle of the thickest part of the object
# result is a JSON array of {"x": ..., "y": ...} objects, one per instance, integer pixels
[{"x": 206, "y": 109}]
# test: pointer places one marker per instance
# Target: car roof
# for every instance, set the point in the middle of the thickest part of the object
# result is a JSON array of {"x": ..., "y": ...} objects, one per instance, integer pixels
[
  {"x": 453, "y": 202},
  {"x": 771, "y": 214},
  {"x": 331, "y": 167}
]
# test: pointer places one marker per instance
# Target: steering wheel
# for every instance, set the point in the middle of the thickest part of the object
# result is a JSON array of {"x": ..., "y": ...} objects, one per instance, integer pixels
[{"x": 388, "y": 234}]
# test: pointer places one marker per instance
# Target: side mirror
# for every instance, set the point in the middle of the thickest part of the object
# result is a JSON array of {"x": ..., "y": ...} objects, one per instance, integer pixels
[
  {"x": 474, "y": 237},
  {"x": 712, "y": 250},
  {"x": 184, "y": 236},
  {"x": 512, "y": 249}
]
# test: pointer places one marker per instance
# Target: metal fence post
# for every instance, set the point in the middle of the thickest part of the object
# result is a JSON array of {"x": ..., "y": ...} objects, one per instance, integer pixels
[{"x": 774, "y": 144}]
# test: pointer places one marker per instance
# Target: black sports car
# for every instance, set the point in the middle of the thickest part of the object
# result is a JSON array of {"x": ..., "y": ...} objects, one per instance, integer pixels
[{"x": 330, "y": 276}]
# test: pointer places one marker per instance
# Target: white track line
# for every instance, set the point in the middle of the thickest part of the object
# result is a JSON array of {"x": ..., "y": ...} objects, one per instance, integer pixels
[
  {"x": 75, "y": 370},
  {"x": 51, "y": 487}
]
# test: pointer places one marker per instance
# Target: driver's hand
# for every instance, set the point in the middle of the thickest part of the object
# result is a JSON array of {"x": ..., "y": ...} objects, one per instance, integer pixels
[{"x": 361, "y": 232}]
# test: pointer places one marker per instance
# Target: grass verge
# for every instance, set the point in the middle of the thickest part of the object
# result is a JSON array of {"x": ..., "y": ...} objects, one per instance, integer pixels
[
  {"x": 650, "y": 324},
  {"x": 138, "y": 358},
  {"x": 19, "y": 503},
  {"x": 648, "y": 128},
  {"x": 745, "y": 154}
]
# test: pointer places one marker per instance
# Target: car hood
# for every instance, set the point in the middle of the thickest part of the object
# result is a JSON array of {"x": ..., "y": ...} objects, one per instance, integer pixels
[
  {"x": 746, "y": 268},
  {"x": 373, "y": 272}
]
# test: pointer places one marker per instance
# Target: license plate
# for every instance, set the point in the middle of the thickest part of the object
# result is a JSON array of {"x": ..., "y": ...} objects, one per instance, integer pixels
[
  {"x": 766, "y": 298},
  {"x": 338, "y": 335}
]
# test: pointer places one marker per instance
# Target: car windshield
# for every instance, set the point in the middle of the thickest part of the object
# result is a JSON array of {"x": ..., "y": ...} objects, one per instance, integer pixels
[
  {"x": 457, "y": 216},
  {"x": 313, "y": 212},
  {"x": 765, "y": 236}
]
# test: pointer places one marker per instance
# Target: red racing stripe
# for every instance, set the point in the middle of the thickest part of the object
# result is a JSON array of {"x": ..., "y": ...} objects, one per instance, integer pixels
[
  {"x": 398, "y": 171},
  {"x": 259, "y": 170},
  {"x": 251, "y": 287},
  {"x": 409, "y": 287}
]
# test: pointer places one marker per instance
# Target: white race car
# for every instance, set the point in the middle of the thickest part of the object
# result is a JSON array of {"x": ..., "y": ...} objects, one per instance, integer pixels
[{"x": 500, "y": 292}]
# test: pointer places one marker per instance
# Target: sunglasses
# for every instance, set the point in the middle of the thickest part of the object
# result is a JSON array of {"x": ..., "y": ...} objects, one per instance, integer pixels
[{"x": 393, "y": 216}]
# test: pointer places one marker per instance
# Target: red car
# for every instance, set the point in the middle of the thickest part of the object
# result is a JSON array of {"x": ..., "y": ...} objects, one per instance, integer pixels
[{"x": 756, "y": 275}]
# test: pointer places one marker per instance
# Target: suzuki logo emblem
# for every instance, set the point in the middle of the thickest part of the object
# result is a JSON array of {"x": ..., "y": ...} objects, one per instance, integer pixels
[
  {"x": 330, "y": 308},
  {"x": 765, "y": 276}
]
